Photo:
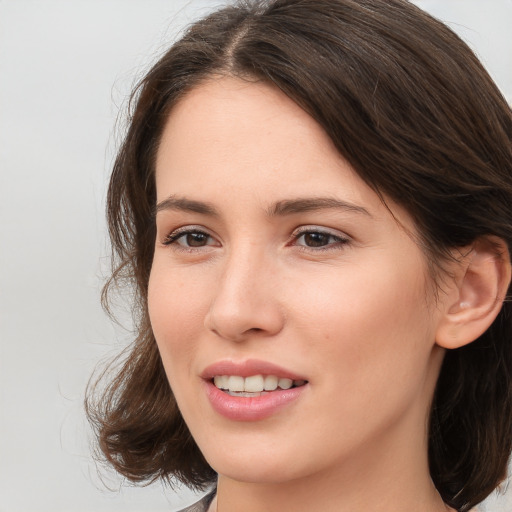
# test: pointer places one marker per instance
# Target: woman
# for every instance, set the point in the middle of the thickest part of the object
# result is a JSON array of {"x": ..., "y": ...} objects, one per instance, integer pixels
[{"x": 313, "y": 205}]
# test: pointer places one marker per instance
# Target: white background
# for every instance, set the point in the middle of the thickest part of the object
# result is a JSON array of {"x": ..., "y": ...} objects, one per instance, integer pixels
[{"x": 66, "y": 68}]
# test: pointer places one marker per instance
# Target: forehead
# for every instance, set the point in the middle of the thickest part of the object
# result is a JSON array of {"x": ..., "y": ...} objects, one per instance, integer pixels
[
  {"x": 232, "y": 141},
  {"x": 232, "y": 128},
  {"x": 233, "y": 112}
]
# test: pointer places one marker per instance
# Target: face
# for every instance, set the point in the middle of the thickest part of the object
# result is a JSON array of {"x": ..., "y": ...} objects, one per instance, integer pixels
[{"x": 275, "y": 265}]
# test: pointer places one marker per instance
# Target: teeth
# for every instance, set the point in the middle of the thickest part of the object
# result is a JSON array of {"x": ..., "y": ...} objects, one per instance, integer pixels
[
  {"x": 253, "y": 384},
  {"x": 271, "y": 382},
  {"x": 285, "y": 383},
  {"x": 221, "y": 381},
  {"x": 235, "y": 383}
]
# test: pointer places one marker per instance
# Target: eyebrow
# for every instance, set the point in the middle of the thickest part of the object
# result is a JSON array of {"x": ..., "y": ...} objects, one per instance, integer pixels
[
  {"x": 280, "y": 208},
  {"x": 186, "y": 205},
  {"x": 300, "y": 205}
]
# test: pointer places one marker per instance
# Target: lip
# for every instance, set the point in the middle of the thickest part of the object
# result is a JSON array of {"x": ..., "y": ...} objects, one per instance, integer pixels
[
  {"x": 256, "y": 408},
  {"x": 247, "y": 368}
]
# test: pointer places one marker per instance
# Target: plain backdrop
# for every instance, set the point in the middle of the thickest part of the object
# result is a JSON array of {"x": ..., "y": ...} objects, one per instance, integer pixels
[{"x": 66, "y": 68}]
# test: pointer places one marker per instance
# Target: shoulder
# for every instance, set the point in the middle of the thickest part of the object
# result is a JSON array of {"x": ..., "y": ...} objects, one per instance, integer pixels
[{"x": 202, "y": 505}]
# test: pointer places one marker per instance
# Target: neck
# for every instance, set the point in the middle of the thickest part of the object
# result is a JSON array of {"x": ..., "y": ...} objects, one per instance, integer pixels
[
  {"x": 354, "y": 493},
  {"x": 305, "y": 498}
]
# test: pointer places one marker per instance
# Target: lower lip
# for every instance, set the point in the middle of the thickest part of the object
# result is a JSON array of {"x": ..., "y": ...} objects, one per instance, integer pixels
[{"x": 255, "y": 408}]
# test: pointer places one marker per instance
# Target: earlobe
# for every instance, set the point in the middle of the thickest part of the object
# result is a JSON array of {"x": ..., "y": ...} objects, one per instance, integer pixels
[{"x": 482, "y": 278}]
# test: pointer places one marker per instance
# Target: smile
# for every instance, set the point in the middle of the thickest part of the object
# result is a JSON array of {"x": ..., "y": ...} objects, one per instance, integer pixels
[
  {"x": 254, "y": 385},
  {"x": 253, "y": 389}
]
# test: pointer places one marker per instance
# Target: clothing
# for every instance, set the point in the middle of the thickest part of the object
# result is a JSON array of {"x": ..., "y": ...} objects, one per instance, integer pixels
[{"x": 202, "y": 505}]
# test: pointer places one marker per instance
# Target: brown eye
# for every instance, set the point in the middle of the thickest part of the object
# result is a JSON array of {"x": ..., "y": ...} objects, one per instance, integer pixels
[
  {"x": 316, "y": 239},
  {"x": 190, "y": 238},
  {"x": 196, "y": 239}
]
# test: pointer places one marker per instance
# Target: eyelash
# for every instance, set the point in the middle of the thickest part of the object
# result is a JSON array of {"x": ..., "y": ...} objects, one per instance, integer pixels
[
  {"x": 174, "y": 237},
  {"x": 339, "y": 240}
]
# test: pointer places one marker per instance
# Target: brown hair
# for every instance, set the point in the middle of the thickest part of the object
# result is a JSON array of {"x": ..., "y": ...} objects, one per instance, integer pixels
[{"x": 411, "y": 108}]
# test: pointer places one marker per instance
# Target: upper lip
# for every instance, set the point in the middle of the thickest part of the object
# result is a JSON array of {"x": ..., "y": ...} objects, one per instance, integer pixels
[{"x": 247, "y": 368}]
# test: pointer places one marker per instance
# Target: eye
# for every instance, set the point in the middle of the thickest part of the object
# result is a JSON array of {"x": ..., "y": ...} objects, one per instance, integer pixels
[
  {"x": 319, "y": 239},
  {"x": 189, "y": 238}
]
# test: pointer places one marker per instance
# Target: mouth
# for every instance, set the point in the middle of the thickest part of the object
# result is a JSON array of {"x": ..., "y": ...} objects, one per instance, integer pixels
[
  {"x": 254, "y": 385},
  {"x": 253, "y": 389}
]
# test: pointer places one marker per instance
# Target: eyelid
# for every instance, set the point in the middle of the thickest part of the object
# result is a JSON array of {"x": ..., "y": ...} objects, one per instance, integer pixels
[
  {"x": 341, "y": 238},
  {"x": 177, "y": 233},
  {"x": 311, "y": 228}
]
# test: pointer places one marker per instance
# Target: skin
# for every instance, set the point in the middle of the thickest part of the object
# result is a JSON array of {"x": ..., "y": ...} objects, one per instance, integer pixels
[{"x": 355, "y": 315}]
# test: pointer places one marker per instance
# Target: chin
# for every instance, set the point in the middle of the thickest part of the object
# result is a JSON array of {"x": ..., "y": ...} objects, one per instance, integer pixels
[
  {"x": 257, "y": 465},
  {"x": 256, "y": 474}
]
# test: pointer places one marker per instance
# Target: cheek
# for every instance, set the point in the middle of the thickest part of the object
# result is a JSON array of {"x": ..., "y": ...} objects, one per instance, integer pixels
[
  {"x": 363, "y": 302},
  {"x": 176, "y": 313},
  {"x": 371, "y": 330}
]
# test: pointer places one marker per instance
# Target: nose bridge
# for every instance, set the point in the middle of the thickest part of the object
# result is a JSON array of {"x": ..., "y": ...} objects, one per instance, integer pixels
[
  {"x": 245, "y": 301},
  {"x": 242, "y": 266}
]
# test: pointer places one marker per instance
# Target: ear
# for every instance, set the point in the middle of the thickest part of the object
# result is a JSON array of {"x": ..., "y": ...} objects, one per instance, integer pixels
[{"x": 476, "y": 293}]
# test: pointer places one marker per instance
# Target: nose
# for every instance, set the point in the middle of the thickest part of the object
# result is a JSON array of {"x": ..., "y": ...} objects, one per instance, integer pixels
[{"x": 245, "y": 303}]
